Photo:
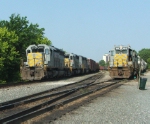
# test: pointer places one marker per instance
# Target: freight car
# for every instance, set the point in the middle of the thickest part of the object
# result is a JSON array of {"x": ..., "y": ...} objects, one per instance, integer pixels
[
  {"x": 97, "y": 67},
  {"x": 45, "y": 61},
  {"x": 103, "y": 68},
  {"x": 91, "y": 64},
  {"x": 123, "y": 62}
]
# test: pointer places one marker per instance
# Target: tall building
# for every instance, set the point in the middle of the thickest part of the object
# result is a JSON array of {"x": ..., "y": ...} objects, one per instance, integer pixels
[{"x": 106, "y": 58}]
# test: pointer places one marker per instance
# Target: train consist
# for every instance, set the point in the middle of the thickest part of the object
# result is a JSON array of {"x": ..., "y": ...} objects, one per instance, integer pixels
[
  {"x": 125, "y": 63},
  {"x": 45, "y": 61}
]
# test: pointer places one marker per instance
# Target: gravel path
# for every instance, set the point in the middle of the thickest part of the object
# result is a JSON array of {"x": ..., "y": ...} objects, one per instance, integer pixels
[
  {"x": 124, "y": 105},
  {"x": 10, "y": 93}
]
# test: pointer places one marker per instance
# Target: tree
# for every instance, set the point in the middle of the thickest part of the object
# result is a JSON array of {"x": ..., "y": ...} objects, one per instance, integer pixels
[
  {"x": 148, "y": 62},
  {"x": 9, "y": 57},
  {"x": 27, "y": 33},
  {"x": 144, "y": 54},
  {"x": 107, "y": 64},
  {"x": 102, "y": 62},
  {"x": 44, "y": 40}
]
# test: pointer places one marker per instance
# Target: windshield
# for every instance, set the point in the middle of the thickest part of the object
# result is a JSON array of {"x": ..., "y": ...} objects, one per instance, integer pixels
[
  {"x": 111, "y": 52},
  {"x": 121, "y": 51},
  {"x": 66, "y": 56},
  {"x": 39, "y": 49}
]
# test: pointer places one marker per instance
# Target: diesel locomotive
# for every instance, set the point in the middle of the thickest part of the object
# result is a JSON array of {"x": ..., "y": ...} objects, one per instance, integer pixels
[
  {"x": 123, "y": 62},
  {"x": 45, "y": 61}
]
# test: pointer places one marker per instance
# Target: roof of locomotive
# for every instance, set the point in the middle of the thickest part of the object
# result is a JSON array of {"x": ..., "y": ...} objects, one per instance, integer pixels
[{"x": 120, "y": 46}]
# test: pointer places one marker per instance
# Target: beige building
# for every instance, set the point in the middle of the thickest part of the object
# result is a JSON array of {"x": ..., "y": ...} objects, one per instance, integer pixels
[{"x": 106, "y": 58}]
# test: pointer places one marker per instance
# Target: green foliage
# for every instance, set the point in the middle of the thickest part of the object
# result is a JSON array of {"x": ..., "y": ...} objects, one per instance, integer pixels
[
  {"x": 44, "y": 40},
  {"x": 102, "y": 62},
  {"x": 27, "y": 33},
  {"x": 144, "y": 54},
  {"x": 9, "y": 57},
  {"x": 107, "y": 64},
  {"x": 15, "y": 36},
  {"x": 148, "y": 62}
]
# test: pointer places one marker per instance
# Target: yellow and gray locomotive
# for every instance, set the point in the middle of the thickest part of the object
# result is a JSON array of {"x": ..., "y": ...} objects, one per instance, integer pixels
[
  {"x": 45, "y": 61},
  {"x": 123, "y": 62}
]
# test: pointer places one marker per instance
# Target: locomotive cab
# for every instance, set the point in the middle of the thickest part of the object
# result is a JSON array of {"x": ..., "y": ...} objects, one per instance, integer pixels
[
  {"x": 123, "y": 62},
  {"x": 35, "y": 56}
]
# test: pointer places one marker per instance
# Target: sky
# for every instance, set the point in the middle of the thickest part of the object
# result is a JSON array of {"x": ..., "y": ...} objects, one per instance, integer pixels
[{"x": 86, "y": 27}]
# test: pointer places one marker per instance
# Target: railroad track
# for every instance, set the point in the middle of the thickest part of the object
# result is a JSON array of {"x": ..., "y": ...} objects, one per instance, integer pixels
[
  {"x": 51, "y": 101},
  {"x": 15, "y": 102},
  {"x": 36, "y": 81}
]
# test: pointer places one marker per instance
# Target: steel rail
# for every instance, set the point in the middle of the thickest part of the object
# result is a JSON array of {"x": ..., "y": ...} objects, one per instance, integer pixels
[
  {"x": 45, "y": 103},
  {"x": 39, "y": 108},
  {"x": 11, "y": 105},
  {"x": 44, "y": 92},
  {"x": 15, "y": 104}
]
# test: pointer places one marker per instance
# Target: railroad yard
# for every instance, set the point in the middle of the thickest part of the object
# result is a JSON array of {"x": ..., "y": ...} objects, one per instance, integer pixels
[
  {"x": 93, "y": 98},
  {"x": 75, "y": 62},
  {"x": 25, "y": 90}
]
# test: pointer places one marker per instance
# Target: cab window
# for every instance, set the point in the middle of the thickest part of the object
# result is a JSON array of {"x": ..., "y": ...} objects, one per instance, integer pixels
[
  {"x": 28, "y": 51},
  {"x": 46, "y": 51},
  {"x": 112, "y": 53}
]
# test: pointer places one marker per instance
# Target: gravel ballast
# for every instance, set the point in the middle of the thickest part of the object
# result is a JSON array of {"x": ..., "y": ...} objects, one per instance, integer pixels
[
  {"x": 124, "y": 105},
  {"x": 10, "y": 93}
]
